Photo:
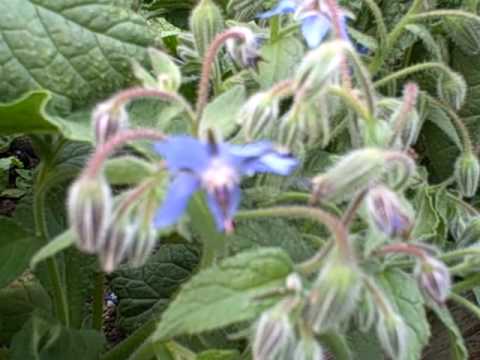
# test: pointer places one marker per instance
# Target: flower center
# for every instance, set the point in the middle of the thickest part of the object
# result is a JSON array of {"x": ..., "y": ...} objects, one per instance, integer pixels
[{"x": 219, "y": 175}]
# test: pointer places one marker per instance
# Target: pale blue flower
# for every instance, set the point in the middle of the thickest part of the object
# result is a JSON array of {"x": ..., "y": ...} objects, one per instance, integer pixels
[
  {"x": 315, "y": 19},
  {"x": 217, "y": 169}
]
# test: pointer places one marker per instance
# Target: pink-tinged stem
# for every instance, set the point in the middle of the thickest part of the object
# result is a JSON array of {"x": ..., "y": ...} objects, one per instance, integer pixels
[
  {"x": 95, "y": 163},
  {"x": 210, "y": 55},
  {"x": 405, "y": 249}
]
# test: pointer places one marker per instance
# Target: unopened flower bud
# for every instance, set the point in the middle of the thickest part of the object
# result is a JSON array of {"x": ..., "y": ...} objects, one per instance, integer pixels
[
  {"x": 108, "y": 120},
  {"x": 352, "y": 173},
  {"x": 392, "y": 334},
  {"x": 452, "y": 89},
  {"x": 313, "y": 119},
  {"x": 333, "y": 296},
  {"x": 141, "y": 246},
  {"x": 206, "y": 22},
  {"x": 89, "y": 210},
  {"x": 467, "y": 174},
  {"x": 471, "y": 234},
  {"x": 274, "y": 335},
  {"x": 434, "y": 279},
  {"x": 307, "y": 348},
  {"x": 320, "y": 65},
  {"x": 118, "y": 237},
  {"x": 388, "y": 213},
  {"x": 244, "y": 51},
  {"x": 258, "y": 112}
]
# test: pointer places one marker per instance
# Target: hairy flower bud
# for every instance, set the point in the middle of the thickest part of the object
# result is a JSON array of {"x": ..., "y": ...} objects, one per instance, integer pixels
[
  {"x": 471, "y": 234},
  {"x": 108, "y": 120},
  {"x": 257, "y": 113},
  {"x": 274, "y": 335},
  {"x": 307, "y": 348},
  {"x": 388, "y": 213},
  {"x": 89, "y": 209},
  {"x": 392, "y": 334},
  {"x": 352, "y": 173},
  {"x": 142, "y": 244},
  {"x": 434, "y": 279},
  {"x": 244, "y": 51},
  {"x": 467, "y": 174},
  {"x": 118, "y": 237},
  {"x": 319, "y": 66},
  {"x": 206, "y": 22},
  {"x": 333, "y": 296}
]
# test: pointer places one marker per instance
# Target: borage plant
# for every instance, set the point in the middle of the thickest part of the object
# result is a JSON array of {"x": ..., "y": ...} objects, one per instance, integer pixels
[{"x": 296, "y": 182}]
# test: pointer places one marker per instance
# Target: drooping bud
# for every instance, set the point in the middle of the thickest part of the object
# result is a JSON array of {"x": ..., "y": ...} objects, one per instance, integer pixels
[
  {"x": 471, "y": 234},
  {"x": 89, "y": 210},
  {"x": 388, "y": 213},
  {"x": 319, "y": 66},
  {"x": 257, "y": 113},
  {"x": 142, "y": 245},
  {"x": 118, "y": 237},
  {"x": 452, "y": 88},
  {"x": 467, "y": 174},
  {"x": 353, "y": 172},
  {"x": 108, "y": 119},
  {"x": 333, "y": 296},
  {"x": 294, "y": 283},
  {"x": 434, "y": 279},
  {"x": 392, "y": 334},
  {"x": 244, "y": 51},
  {"x": 274, "y": 335},
  {"x": 307, "y": 348},
  {"x": 206, "y": 22}
]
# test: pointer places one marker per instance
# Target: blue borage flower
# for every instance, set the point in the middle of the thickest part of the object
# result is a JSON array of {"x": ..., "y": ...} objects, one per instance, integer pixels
[
  {"x": 217, "y": 169},
  {"x": 315, "y": 18}
]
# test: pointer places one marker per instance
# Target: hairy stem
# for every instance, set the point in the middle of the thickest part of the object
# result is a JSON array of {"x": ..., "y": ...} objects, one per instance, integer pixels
[
  {"x": 96, "y": 161},
  {"x": 474, "y": 309},
  {"x": 209, "y": 59}
]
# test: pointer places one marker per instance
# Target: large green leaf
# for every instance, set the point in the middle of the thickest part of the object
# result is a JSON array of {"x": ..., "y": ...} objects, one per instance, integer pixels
[
  {"x": 281, "y": 59},
  {"x": 27, "y": 115},
  {"x": 221, "y": 113},
  {"x": 17, "y": 304},
  {"x": 226, "y": 293},
  {"x": 404, "y": 294},
  {"x": 41, "y": 339},
  {"x": 149, "y": 288},
  {"x": 269, "y": 232},
  {"x": 77, "y": 49},
  {"x": 17, "y": 246}
]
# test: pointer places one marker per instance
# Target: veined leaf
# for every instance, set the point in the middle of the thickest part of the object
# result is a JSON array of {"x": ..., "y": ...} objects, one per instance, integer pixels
[
  {"x": 79, "y": 50},
  {"x": 226, "y": 293}
]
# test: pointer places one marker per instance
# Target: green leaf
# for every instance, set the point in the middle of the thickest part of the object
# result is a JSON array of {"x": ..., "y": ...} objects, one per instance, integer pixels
[
  {"x": 226, "y": 293},
  {"x": 17, "y": 304},
  {"x": 16, "y": 248},
  {"x": 458, "y": 351},
  {"x": 41, "y": 339},
  {"x": 80, "y": 270},
  {"x": 407, "y": 300},
  {"x": 464, "y": 32},
  {"x": 254, "y": 234},
  {"x": 58, "y": 244},
  {"x": 27, "y": 115},
  {"x": 221, "y": 113},
  {"x": 281, "y": 59},
  {"x": 78, "y": 50},
  {"x": 427, "y": 219},
  {"x": 148, "y": 289},
  {"x": 218, "y": 355},
  {"x": 127, "y": 170}
]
